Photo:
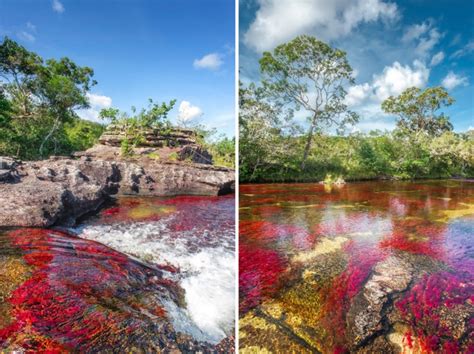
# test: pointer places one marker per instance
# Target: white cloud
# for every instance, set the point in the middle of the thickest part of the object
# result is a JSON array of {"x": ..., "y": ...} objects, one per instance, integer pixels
[
  {"x": 468, "y": 48},
  {"x": 57, "y": 6},
  {"x": 366, "y": 98},
  {"x": 397, "y": 78},
  {"x": 437, "y": 58},
  {"x": 278, "y": 21},
  {"x": 452, "y": 80},
  {"x": 212, "y": 61},
  {"x": 187, "y": 111},
  {"x": 415, "y": 31},
  {"x": 357, "y": 94},
  {"x": 424, "y": 35},
  {"x": 97, "y": 102},
  {"x": 31, "y": 26},
  {"x": 427, "y": 43},
  {"x": 26, "y": 36}
]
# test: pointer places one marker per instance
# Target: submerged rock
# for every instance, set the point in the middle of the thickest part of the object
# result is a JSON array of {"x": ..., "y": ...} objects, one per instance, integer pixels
[{"x": 367, "y": 312}]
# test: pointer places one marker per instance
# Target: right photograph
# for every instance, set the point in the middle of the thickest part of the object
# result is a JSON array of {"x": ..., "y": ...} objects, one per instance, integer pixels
[{"x": 356, "y": 171}]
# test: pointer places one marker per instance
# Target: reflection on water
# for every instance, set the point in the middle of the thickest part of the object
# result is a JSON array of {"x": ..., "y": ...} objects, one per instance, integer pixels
[
  {"x": 64, "y": 290},
  {"x": 366, "y": 267}
]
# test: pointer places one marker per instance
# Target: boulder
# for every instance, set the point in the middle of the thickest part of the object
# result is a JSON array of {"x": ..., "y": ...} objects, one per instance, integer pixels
[
  {"x": 58, "y": 191},
  {"x": 368, "y": 310}
]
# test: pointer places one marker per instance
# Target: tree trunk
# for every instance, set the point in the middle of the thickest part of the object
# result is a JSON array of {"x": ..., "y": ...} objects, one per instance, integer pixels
[
  {"x": 309, "y": 140},
  {"x": 48, "y": 136}
]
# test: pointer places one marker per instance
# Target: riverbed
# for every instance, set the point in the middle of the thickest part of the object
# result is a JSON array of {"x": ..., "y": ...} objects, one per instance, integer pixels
[
  {"x": 372, "y": 267},
  {"x": 144, "y": 274}
]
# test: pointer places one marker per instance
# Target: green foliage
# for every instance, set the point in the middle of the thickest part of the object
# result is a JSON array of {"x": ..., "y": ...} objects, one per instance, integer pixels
[
  {"x": 223, "y": 151},
  {"x": 308, "y": 74},
  {"x": 173, "y": 156},
  {"x": 220, "y": 147},
  {"x": 82, "y": 134},
  {"x": 38, "y": 100},
  {"x": 416, "y": 110},
  {"x": 155, "y": 116},
  {"x": 396, "y": 155},
  {"x": 126, "y": 148}
]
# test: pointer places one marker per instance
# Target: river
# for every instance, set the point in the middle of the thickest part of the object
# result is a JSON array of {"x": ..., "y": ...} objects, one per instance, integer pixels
[
  {"x": 144, "y": 274},
  {"x": 370, "y": 267}
]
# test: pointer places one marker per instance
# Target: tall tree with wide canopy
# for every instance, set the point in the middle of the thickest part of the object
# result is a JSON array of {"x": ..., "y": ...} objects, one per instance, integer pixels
[
  {"x": 44, "y": 94},
  {"x": 416, "y": 110},
  {"x": 308, "y": 74}
]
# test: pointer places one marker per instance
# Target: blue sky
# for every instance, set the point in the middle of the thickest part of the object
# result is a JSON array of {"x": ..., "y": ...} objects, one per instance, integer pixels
[
  {"x": 139, "y": 49},
  {"x": 391, "y": 45}
]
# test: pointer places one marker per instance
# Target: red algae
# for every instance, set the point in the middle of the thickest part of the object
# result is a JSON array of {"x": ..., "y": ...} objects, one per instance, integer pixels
[
  {"x": 259, "y": 273},
  {"x": 339, "y": 293},
  {"x": 63, "y": 305},
  {"x": 378, "y": 219},
  {"x": 422, "y": 309}
]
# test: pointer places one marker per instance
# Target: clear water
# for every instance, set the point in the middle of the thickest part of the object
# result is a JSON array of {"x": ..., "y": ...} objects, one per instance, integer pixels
[{"x": 369, "y": 267}]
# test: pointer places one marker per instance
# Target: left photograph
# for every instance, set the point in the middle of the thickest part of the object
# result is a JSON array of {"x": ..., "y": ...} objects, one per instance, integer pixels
[{"x": 117, "y": 176}]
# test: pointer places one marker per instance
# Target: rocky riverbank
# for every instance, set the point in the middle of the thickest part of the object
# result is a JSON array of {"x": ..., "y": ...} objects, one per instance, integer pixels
[{"x": 61, "y": 189}]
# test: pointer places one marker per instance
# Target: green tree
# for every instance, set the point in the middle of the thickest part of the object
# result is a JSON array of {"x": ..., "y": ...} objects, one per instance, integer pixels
[
  {"x": 416, "y": 110},
  {"x": 155, "y": 116},
  {"x": 43, "y": 96},
  {"x": 309, "y": 74},
  {"x": 264, "y": 134}
]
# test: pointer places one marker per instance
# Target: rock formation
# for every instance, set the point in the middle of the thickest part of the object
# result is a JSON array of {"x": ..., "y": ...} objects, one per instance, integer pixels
[
  {"x": 177, "y": 144},
  {"x": 61, "y": 189}
]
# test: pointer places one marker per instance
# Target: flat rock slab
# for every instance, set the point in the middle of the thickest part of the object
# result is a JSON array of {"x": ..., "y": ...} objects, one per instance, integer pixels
[
  {"x": 365, "y": 317},
  {"x": 58, "y": 191}
]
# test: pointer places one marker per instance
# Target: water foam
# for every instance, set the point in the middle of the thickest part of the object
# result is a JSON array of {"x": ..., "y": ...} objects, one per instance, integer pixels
[{"x": 206, "y": 263}]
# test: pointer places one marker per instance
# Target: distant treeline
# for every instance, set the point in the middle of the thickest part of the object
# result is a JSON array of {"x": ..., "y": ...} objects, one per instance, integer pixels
[{"x": 357, "y": 157}]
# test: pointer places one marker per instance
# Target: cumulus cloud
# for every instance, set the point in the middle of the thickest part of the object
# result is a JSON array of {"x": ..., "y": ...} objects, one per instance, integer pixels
[
  {"x": 99, "y": 100},
  {"x": 57, "y": 6},
  {"x": 392, "y": 81},
  {"x": 96, "y": 102},
  {"x": 452, "y": 80},
  {"x": 396, "y": 78},
  {"x": 357, "y": 94},
  {"x": 366, "y": 98},
  {"x": 278, "y": 21},
  {"x": 437, "y": 58},
  {"x": 212, "y": 61},
  {"x": 187, "y": 112}
]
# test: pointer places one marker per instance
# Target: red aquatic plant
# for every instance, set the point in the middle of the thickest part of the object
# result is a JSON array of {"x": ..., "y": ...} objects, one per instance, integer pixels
[
  {"x": 339, "y": 293},
  {"x": 418, "y": 237},
  {"x": 79, "y": 290},
  {"x": 260, "y": 230},
  {"x": 422, "y": 306},
  {"x": 259, "y": 273}
]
